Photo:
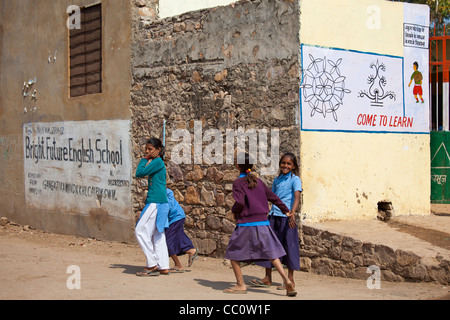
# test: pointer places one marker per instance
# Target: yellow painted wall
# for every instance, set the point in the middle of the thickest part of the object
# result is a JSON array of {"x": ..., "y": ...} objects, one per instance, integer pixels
[
  {"x": 353, "y": 25},
  {"x": 345, "y": 174}
]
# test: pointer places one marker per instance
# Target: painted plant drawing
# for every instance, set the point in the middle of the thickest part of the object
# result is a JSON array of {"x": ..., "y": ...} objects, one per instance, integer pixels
[{"x": 377, "y": 82}]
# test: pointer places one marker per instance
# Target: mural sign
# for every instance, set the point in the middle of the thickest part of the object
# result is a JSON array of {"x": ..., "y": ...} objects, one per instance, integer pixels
[
  {"x": 78, "y": 166},
  {"x": 349, "y": 90}
]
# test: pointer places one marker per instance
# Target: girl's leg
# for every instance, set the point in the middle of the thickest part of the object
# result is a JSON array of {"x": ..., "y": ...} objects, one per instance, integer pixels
[
  {"x": 177, "y": 262},
  {"x": 191, "y": 252},
  {"x": 290, "y": 291},
  {"x": 267, "y": 280},
  {"x": 178, "y": 266},
  {"x": 193, "y": 255},
  {"x": 291, "y": 276},
  {"x": 240, "y": 286},
  {"x": 264, "y": 282},
  {"x": 144, "y": 235},
  {"x": 161, "y": 252}
]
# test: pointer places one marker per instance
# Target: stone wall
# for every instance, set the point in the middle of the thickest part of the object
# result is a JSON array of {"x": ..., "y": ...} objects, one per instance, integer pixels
[
  {"x": 223, "y": 68},
  {"x": 327, "y": 253}
]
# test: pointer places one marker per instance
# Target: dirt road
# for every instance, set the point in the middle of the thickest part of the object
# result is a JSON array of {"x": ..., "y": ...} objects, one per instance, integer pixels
[{"x": 35, "y": 265}]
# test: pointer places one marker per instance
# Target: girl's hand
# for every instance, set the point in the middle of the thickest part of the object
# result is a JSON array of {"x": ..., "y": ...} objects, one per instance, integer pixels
[
  {"x": 292, "y": 222},
  {"x": 151, "y": 155},
  {"x": 154, "y": 154}
]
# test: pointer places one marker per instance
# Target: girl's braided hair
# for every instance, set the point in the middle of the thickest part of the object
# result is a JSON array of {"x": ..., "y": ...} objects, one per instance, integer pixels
[{"x": 247, "y": 167}]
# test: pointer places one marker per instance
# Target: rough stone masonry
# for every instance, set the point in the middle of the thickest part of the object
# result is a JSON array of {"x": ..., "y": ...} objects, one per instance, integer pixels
[{"x": 224, "y": 68}]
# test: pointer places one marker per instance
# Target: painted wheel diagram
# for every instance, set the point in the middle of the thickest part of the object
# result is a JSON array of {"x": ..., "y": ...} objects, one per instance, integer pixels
[{"x": 323, "y": 86}]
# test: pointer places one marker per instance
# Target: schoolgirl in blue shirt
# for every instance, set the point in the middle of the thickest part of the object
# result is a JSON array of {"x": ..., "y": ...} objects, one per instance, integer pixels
[
  {"x": 288, "y": 187},
  {"x": 178, "y": 243}
]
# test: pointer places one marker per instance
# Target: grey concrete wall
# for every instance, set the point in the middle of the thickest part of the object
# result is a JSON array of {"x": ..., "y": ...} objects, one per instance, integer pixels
[{"x": 30, "y": 33}]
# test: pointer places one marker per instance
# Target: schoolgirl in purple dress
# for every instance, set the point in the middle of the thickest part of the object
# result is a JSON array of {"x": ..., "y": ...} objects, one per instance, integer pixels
[{"x": 253, "y": 238}]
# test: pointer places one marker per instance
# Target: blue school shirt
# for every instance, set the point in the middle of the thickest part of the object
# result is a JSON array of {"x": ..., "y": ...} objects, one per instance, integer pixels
[
  {"x": 284, "y": 187},
  {"x": 169, "y": 212},
  {"x": 176, "y": 212}
]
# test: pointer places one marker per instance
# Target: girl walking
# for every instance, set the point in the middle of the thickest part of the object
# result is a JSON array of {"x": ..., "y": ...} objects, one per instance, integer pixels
[
  {"x": 178, "y": 242},
  {"x": 253, "y": 239},
  {"x": 287, "y": 186},
  {"x": 154, "y": 218}
]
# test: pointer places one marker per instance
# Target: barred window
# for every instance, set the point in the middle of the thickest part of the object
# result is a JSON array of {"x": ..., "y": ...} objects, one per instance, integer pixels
[{"x": 85, "y": 53}]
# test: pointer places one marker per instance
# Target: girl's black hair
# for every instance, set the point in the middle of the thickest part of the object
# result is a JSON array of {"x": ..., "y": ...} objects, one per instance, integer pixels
[
  {"x": 252, "y": 180},
  {"x": 155, "y": 142},
  {"x": 294, "y": 160}
]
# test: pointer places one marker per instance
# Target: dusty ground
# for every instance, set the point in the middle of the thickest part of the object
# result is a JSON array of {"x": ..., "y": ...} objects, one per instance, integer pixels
[{"x": 34, "y": 265}]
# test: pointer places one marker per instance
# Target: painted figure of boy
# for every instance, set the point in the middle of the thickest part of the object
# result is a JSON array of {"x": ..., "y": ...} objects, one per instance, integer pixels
[{"x": 417, "y": 77}]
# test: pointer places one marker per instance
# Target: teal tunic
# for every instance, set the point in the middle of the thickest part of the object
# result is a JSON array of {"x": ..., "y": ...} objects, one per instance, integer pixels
[{"x": 156, "y": 172}]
